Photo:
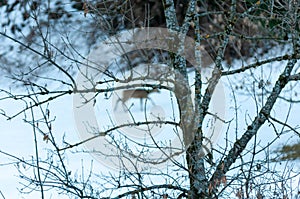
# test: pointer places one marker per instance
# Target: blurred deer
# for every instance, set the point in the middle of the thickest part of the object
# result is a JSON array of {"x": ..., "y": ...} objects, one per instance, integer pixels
[{"x": 136, "y": 93}]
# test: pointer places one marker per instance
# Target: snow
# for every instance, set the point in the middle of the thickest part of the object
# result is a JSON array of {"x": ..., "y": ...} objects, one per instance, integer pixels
[{"x": 17, "y": 137}]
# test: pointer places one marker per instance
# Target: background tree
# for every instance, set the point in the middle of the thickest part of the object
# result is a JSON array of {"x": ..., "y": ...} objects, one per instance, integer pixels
[{"x": 237, "y": 35}]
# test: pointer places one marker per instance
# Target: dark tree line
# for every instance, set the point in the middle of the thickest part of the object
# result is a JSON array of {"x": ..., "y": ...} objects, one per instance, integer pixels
[{"x": 45, "y": 56}]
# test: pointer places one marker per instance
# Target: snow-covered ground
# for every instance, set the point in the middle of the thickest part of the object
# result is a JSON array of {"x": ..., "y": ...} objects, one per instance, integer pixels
[{"x": 17, "y": 137}]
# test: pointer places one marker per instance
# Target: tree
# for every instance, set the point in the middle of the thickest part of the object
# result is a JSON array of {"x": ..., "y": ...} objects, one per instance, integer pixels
[{"x": 198, "y": 41}]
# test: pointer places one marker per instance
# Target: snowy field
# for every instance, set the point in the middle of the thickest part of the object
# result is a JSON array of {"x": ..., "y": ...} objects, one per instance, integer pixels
[{"x": 17, "y": 137}]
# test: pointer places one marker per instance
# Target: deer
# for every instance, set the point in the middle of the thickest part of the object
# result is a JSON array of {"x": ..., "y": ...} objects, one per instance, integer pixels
[{"x": 136, "y": 93}]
